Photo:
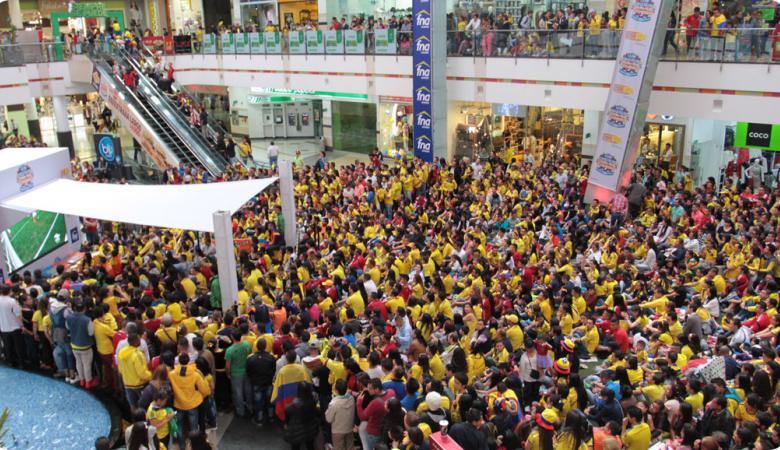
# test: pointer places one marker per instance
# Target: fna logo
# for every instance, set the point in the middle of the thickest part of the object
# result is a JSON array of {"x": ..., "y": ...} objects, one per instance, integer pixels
[
  {"x": 106, "y": 148},
  {"x": 423, "y": 120},
  {"x": 617, "y": 116},
  {"x": 423, "y": 19},
  {"x": 643, "y": 10},
  {"x": 422, "y": 45},
  {"x": 630, "y": 64},
  {"x": 422, "y": 71},
  {"x": 422, "y": 144},
  {"x": 423, "y": 96}
]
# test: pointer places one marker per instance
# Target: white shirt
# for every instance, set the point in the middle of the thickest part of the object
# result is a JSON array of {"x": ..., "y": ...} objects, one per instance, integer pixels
[
  {"x": 370, "y": 287},
  {"x": 273, "y": 150},
  {"x": 10, "y": 314}
]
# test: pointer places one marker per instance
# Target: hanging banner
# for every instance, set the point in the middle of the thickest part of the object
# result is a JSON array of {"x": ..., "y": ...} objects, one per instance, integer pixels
[
  {"x": 384, "y": 40},
  {"x": 334, "y": 42},
  {"x": 242, "y": 43},
  {"x": 422, "y": 80},
  {"x": 314, "y": 42},
  {"x": 354, "y": 42},
  {"x": 168, "y": 45},
  {"x": 182, "y": 44},
  {"x": 273, "y": 42},
  {"x": 228, "y": 46},
  {"x": 296, "y": 43},
  {"x": 108, "y": 148},
  {"x": 209, "y": 44},
  {"x": 623, "y": 103},
  {"x": 153, "y": 43},
  {"x": 256, "y": 43}
]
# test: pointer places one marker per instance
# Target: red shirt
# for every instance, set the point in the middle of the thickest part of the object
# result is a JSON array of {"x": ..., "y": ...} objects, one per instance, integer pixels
[
  {"x": 691, "y": 25},
  {"x": 377, "y": 304},
  {"x": 622, "y": 340},
  {"x": 375, "y": 412}
]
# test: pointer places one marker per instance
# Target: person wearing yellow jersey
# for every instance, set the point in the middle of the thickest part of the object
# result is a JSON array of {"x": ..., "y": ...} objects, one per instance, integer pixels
[
  {"x": 514, "y": 333},
  {"x": 636, "y": 433},
  {"x": 167, "y": 332}
]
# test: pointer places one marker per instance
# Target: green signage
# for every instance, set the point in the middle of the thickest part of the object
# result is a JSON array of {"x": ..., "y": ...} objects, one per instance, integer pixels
[
  {"x": 758, "y": 135},
  {"x": 257, "y": 99},
  {"x": 311, "y": 93},
  {"x": 334, "y": 42},
  {"x": 257, "y": 43},
  {"x": 297, "y": 44},
  {"x": 385, "y": 41},
  {"x": 314, "y": 42},
  {"x": 242, "y": 43},
  {"x": 87, "y": 9},
  {"x": 227, "y": 43},
  {"x": 209, "y": 44},
  {"x": 355, "y": 43},
  {"x": 273, "y": 42}
]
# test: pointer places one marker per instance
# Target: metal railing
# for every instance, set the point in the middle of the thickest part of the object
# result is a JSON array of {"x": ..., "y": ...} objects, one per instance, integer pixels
[{"x": 730, "y": 45}]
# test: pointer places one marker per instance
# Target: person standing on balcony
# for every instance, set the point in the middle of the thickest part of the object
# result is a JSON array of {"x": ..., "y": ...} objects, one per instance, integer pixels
[
  {"x": 671, "y": 33},
  {"x": 474, "y": 30},
  {"x": 692, "y": 30},
  {"x": 718, "y": 24}
]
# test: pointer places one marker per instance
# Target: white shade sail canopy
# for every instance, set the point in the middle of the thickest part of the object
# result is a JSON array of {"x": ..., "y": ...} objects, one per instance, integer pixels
[{"x": 189, "y": 206}]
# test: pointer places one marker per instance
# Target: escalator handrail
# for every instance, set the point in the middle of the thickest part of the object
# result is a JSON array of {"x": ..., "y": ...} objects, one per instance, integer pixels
[
  {"x": 210, "y": 160},
  {"x": 146, "y": 114}
]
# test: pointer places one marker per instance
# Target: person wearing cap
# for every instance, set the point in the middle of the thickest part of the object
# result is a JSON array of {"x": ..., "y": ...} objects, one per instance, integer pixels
[
  {"x": 434, "y": 413},
  {"x": 543, "y": 433},
  {"x": 562, "y": 367}
]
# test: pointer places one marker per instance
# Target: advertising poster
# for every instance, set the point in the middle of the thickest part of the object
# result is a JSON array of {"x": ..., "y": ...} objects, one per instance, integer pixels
[
  {"x": 242, "y": 43},
  {"x": 297, "y": 43},
  {"x": 182, "y": 44},
  {"x": 334, "y": 42},
  {"x": 758, "y": 135},
  {"x": 209, "y": 44},
  {"x": 422, "y": 80},
  {"x": 385, "y": 41},
  {"x": 314, "y": 42},
  {"x": 624, "y": 95},
  {"x": 355, "y": 44},
  {"x": 228, "y": 46},
  {"x": 256, "y": 43},
  {"x": 273, "y": 42},
  {"x": 108, "y": 148}
]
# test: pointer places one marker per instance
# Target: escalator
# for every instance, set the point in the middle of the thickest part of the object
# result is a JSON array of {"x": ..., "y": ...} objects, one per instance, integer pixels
[{"x": 152, "y": 119}]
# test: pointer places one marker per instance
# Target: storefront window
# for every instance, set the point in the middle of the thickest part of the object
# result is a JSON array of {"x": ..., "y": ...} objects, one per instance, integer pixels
[
  {"x": 661, "y": 145},
  {"x": 395, "y": 137},
  {"x": 259, "y": 14}
]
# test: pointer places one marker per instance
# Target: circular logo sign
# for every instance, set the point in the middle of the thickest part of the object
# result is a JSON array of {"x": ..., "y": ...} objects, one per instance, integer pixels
[
  {"x": 25, "y": 178},
  {"x": 606, "y": 164},
  {"x": 630, "y": 64},
  {"x": 617, "y": 116},
  {"x": 106, "y": 148}
]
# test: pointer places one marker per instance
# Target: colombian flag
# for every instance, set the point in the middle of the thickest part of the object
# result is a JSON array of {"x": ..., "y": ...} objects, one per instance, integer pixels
[{"x": 286, "y": 386}]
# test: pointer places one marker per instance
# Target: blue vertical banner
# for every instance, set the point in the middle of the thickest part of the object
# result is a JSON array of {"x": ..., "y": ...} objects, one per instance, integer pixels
[{"x": 422, "y": 79}]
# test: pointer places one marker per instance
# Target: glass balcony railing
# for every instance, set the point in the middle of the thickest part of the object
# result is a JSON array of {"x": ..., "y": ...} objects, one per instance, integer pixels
[{"x": 734, "y": 45}]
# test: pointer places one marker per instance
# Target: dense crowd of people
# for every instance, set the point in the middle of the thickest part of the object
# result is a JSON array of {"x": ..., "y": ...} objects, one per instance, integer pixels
[{"x": 483, "y": 299}]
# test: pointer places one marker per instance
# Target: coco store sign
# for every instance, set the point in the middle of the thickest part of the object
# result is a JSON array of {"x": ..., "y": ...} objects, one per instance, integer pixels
[
  {"x": 758, "y": 135},
  {"x": 306, "y": 92}
]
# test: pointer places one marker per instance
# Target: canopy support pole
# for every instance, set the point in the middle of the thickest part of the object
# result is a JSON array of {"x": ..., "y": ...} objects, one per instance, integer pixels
[
  {"x": 226, "y": 259},
  {"x": 287, "y": 195}
]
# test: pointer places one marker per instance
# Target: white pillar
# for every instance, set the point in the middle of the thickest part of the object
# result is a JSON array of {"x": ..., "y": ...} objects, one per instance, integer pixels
[
  {"x": 288, "y": 202},
  {"x": 61, "y": 113},
  {"x": 226, "y": 259},
  {"x": 15, "y": 11}
]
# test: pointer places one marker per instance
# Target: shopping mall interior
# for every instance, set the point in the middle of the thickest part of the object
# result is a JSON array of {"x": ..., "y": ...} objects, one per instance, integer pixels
[{"x": 394, "y": 224}]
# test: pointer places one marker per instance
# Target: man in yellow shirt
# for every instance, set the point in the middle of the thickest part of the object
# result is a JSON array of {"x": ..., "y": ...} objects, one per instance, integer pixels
[{"x": 636, "y": 433}]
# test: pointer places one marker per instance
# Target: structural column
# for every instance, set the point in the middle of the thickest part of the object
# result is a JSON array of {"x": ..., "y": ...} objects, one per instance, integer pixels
[
  {"x": 64, "y": 135},
  {"x": 226, "y": 259},
  {"x": 33, "y": 124},
  {"x": 288, "y": 203},
  {"x": 15, "y": 11}
]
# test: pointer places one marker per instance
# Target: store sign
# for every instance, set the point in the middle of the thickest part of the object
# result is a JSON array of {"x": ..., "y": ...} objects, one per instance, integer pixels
[
  {"x": 209, "y": 44},
  {"x": 384, "y": 40},
  {"x": 300, "y": 92},
  {"x": 334, "y": 42},
  {"x": 87, "y": 9},
  {"x": 422, "y": 94},
  {"x": 624, "y": 97},
  {"x": 297, "y": 44},
  {"x": 227, "y": 43},
  {"x": 108, "y": 148},
  {"x": 259, "y": 99},
  {"x": 273, "y": 42},
  {"x": 758, "y": 135},
  {"x": 354, "y": 42},
  {"x": 314, "y": 42},
  {"x": 256, "y": 43},
  {"x": 242, "y": 43},
  {"x": 182, "y": 44}
]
